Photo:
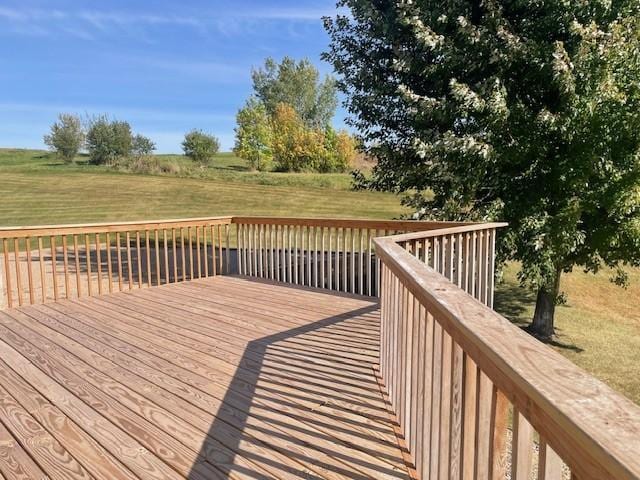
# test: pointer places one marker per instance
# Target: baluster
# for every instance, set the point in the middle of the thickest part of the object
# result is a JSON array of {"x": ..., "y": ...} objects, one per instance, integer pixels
[
  {"x": 492, "y": 266},
  {"x": 272, "y": 239},
  {"x": 147, "y": 246},
  {"x": 445, "y": 404},
  {"x": 227, "y": 254},
  {"x": 353, "y": 260},
  {"x": 345, "y": 260},
  {"x": 183, "y": 255},
  {"x": 129, "y": 266},
  {"x": 65, "y": 265},
  {"x": 315, "y": 255},
  {"x": 457, "y": 385},
  {"x": 198, "y": 257},
  {"x": 435, "y": 399},
  {"x": 119, "y": 259},
  {"x": 369, "y": 260},
  {"x": 250, "y": 249},
  {"x": 290, "y": 254},
  {"x": 87, "y": 249},
  {"x": 214, "y": 267},
  {"x": 205, "y": 251},
  {"x": 361, "y": 262},
  {"x": 16, "y": 257},
  {"x": 522, "y": 447},
  {"x": 30, "y": 271},
  {"x": 98, "y": 262},
  {"x": 139, "y": 258},
  {"x": 329, "y": 277},
  {"x": 276, "y": 253},
  {"x": 190, "y": 253},
  {"x": 484, "y": 435},
  {"x": 165, "y": 249},
  {"x": 499, "y": 419},
  {"x": 109, "y": 264},
  {"x": 469, "y": 403},
  {"x": 549, "y": 463},
  {"x": 174, "y": 249},
  {"x": 295, "y": 254},
  {"x": 54, "y": 259},
  {"x": 7, "y": 272},
  {"x": 220, "y": 253},
  {"x": 259, "y": 232},
  {"x": 43, "y": 277}
]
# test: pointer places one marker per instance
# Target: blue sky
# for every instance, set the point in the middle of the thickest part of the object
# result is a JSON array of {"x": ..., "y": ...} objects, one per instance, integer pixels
[{"x": 164, "y": 66}]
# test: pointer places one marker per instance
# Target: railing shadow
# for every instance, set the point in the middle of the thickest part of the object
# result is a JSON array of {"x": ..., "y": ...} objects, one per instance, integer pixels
[{"x": 296, "y": 420}]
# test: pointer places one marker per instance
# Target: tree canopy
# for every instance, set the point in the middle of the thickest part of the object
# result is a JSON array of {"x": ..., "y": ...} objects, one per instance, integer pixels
[
  {"x": 526, "y": 111},
  {"x": 296, "y": 83},
  {"x": 66, "y": 136}
]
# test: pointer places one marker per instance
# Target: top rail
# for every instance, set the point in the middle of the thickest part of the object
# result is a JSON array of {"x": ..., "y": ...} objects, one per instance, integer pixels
[
  {"x": 470, "y": 363},
  {"x": 391, "y": 225},
  {"x": 87, "y": 228}
]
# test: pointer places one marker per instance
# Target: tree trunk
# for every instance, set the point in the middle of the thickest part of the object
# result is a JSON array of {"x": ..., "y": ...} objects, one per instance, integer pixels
[{"x": 542, "y": 324}]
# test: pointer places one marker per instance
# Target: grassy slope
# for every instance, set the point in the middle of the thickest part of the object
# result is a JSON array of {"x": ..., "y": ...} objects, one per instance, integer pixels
[
  {"x": 599, "y": 329},
  {"x": 37, "y": 189}
]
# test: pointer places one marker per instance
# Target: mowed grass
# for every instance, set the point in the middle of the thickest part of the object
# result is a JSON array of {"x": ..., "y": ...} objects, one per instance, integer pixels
[
  {"x": 37, "y": 188},
  {"x": 599, "y": 328}
]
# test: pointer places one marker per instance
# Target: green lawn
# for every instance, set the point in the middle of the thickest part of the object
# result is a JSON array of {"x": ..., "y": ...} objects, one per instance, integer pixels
[
  {"x": 599, "y": 328},
  {"x": 38, "y": 189}
]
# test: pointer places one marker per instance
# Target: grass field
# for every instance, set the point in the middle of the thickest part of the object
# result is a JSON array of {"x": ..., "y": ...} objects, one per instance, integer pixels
[
  {"x": 599, "y": 328},
  {"x": 36, "y": 188}
]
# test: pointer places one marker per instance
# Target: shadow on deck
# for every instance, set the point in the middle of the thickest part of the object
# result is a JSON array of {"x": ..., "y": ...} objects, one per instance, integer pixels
[{"x": 215, "y": 378}]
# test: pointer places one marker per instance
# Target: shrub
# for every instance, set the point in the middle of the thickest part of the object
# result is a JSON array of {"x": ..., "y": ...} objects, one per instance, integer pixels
[
  {"x": 298, "y": 148},
  {"x": 200, "y": 147},
  {"x": 66, "y": 136},
  {"x": 142, "y": 146},
  {"x": 108, "y": 140},
  {"x": 340, "y": 151}
]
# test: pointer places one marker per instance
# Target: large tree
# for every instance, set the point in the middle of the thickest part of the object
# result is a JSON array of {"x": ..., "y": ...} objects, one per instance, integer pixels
[
  {"x": 297, "y": 84},
  {"x": 522, "y": 110}
]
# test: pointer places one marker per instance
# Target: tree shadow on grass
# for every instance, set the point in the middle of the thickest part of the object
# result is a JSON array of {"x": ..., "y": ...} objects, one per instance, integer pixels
[{"x": 515, "y": 304}]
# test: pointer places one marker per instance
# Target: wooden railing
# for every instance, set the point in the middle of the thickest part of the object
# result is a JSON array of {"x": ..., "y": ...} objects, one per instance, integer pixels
[
  {"x": 333, "y": 254},
  {"x": 475, "y": 396},
  {"x": 70, "y": 261}
]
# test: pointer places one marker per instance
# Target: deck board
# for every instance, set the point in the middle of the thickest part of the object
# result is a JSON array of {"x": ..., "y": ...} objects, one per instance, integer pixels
[{"x": 216, "y": 378}]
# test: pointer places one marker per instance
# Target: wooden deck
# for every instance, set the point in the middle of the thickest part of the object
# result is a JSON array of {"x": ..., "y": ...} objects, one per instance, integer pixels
[{"x": 215, "y": 378}]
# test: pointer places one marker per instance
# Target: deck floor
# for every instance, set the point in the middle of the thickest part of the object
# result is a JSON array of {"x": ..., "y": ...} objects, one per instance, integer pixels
[{"x": 216, "y": 378}]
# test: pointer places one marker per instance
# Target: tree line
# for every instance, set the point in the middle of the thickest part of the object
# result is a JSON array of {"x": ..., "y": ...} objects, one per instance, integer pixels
[
  {"x": 285, "y": 125},
  {"x": 112, "y": 142}
]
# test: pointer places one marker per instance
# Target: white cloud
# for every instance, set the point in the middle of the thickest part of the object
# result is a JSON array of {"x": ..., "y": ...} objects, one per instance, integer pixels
[{"x": 224, "y": 22}]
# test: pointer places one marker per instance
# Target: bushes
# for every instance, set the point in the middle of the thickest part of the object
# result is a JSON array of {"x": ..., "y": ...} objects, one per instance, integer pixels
[
  {"x": 66, "y": 136},
  {"x": 200, "y": 146},
  {"x": 108, "y": 140},
  {"x": 298, "y": 148}
]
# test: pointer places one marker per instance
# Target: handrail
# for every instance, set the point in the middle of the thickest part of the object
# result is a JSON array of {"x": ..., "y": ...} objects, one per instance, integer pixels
[
  {"x": 391, "y": 225},
  {"x": 332, "y": 253},
  {"x": 476, "y": 360},
  {"x": 84, "y": 228}
]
